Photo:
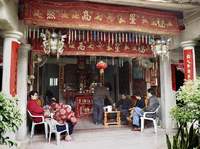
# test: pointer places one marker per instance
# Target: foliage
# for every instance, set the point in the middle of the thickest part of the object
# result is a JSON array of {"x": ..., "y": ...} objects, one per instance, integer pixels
[
  {"x": 186, "y": 111},
  {"x": 10, "y": 118},
  {"x": 188, "y": 101},
  {"x": 184, "y": 139}
]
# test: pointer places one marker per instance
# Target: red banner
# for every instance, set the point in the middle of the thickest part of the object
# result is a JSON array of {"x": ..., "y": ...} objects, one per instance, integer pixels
[
  {"x": 100, "y": 49},
  {"x": 93, "y": 16},
  {"x": 13, "y": 68},
  {"x": 188, "y": 64},
  {"x": 173, "y": 73}
]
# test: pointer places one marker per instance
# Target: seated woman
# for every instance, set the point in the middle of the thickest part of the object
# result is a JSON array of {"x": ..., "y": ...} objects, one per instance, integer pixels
[
  {"x": 33, "y": 106},
  {"x": 123, "y": 105},
  {"x": 137, "y": 101},
  {"x": 140, "y": 102},
  {"x": 63, "y": 113}
]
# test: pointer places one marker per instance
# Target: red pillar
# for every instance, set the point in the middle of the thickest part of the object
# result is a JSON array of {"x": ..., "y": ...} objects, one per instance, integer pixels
[
  {"x": 10, "y": 57},
  {"x": 189, "y": 60},
  {"x": 13, "y": 68}
]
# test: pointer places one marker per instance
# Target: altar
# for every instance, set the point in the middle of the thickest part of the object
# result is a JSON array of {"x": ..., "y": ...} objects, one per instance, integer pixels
[
  {"x": 83, "y": 105},
  {"x": 80, "y": 102}
]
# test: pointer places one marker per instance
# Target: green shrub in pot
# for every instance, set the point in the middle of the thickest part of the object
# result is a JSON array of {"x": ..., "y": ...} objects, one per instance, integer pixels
[
  {"x": 187, "y": 115},
  {"x": 10, "y": 118}
]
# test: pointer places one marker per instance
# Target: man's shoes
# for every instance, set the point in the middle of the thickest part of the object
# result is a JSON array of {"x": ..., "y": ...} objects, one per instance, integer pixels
[{"x": 136, "y": 129}]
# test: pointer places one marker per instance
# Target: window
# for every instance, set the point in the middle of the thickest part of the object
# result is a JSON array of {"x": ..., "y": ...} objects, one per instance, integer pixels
[
  {"x": 53, "y": 82},
  {"x": 138, "y": 73}
]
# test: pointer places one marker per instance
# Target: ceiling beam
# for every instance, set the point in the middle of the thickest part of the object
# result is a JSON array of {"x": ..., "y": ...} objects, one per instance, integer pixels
[{"x": 173, "y": 6}]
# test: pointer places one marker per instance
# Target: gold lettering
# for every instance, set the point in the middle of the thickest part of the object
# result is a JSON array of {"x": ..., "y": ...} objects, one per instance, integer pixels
[
  {"x": 37, "y": 14},
  {"x": 188, "y": 56},
  {"x": 121, "y": 20},
  {"x": 75, "y": 16},
  {"x": 159, "y": 22},
  {"x": 51, "y": 14},
  {"x": 189, "y": 76},
  {"x": 86, "y": 16},
  {"x": 188, "y": 65},
  {"x": 132, "y": 18},
  {"x": 99, "y": 18},
  {"x": 110, "y": 18}
]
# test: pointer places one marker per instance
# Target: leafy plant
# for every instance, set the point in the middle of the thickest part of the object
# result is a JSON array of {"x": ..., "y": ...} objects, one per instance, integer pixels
[
  {"x": 184, "y": 139},
  {"x": 10, "y": 118},
  {"x": 187, "y": 111}
]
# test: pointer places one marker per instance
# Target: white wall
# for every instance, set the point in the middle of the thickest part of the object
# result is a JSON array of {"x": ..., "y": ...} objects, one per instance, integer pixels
[
  {"x": 191, "y": 32},
  {"x": 9, "y": 15},
  {"x": 192, "y": 28}
]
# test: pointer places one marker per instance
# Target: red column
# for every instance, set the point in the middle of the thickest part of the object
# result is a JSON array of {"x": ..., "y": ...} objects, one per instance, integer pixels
[
  {"x": 10, "y": 57},
  {"x": 173, "y": 72},
  {"x": 13, "y": 68},
  {"x": 189, "y": 60}
]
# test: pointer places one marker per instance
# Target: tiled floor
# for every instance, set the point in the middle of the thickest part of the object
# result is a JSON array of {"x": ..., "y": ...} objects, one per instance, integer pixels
[
  {"x": 90, "y": 136},
  {"x": 86, "y": 123},
  {"x": 109, "y": 138}
]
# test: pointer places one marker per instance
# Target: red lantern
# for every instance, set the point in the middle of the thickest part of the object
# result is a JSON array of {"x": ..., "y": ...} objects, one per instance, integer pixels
[{"x": 101, "y": 65}]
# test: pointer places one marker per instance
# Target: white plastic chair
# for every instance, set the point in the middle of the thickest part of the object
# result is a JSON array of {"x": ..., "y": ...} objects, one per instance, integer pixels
[
  {"x": 52, "y": 129},
  {"x": 38, "y": 123},
  {"x": 144, "y": 117}
]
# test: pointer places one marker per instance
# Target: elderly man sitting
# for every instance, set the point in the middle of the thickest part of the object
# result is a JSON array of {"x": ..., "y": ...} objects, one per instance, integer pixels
[
  {"x": 153, "y": 103},
  {"x": 123, "y": 105}
]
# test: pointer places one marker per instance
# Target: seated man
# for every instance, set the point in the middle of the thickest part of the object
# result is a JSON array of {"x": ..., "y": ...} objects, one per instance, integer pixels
[
  {"x": 153, "y": 103},
  {"x": 123, "y": 105}
]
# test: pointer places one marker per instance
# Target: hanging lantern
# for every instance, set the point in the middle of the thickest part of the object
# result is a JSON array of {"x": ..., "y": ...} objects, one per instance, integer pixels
[
  {"x": 101, "y": 65},
  {"x": 53, "y": 43},
  {"x": 160, "y": 47}
]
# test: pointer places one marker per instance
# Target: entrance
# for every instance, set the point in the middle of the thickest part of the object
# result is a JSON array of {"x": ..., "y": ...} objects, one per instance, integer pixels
[
  {"x": 70, "y": 77},
  {"x": 50, "y": 79},
  {"x": 82, "y": 71},
  {"x": 179, "y": 79}
]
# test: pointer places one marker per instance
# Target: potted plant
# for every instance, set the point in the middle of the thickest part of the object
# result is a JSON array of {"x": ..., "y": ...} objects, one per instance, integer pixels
[
  {"x": 10, "y": 119},
  {"x": 187, "y": 115}
]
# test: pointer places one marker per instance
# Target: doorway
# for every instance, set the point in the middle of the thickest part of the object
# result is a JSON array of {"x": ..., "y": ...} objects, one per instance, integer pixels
[
  {"x": 82, "y": 71},
  {"x": 50, "y": 79},
  {"x": 179, "y": 79}
]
